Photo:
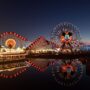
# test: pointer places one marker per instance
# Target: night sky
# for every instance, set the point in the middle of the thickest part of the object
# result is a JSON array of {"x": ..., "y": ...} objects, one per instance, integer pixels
[{"x": 33, "y": 18}]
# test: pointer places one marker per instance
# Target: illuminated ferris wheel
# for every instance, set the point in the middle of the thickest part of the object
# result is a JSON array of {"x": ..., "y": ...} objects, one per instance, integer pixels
[
  {"x": 12, "y": 40},
  {"x": 66, "y": 35}
]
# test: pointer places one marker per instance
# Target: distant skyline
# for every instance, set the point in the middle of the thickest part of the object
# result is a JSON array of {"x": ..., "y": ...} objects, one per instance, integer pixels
[{"x": 34, "y": 18}]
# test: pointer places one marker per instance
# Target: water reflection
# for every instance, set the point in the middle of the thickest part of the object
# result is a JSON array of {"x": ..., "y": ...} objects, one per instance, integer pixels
[
  {"x": 11, "y": 70},
  {"x": 66, "y": 72},
  {"x": 41, "y": 64}
]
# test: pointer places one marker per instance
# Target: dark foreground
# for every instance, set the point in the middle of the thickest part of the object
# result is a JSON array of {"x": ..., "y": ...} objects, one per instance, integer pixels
[
  {"x": 32, "y": 80},
  {"x": 67, "y": 55}
]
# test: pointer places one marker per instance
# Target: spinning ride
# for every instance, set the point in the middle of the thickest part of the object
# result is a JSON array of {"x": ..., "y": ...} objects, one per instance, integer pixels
[{"x": 67, "y": 36}]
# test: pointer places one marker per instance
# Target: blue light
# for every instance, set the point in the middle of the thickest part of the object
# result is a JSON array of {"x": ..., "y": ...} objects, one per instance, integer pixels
[{"x": 66, "y": 37}]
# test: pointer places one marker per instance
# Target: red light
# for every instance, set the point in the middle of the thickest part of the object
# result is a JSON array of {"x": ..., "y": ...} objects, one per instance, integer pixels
[
  {"x": 19, "y": 36},
  {"x": 14, "y": 33},
  {"x": 10, "y": 32},
  {"x": 11, "y": 76},
  {"x": 6, "y": 32},
  {"x": 15, "y": 75}
]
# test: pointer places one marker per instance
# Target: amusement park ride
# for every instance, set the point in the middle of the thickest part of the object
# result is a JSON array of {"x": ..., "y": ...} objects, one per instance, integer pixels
[{"x": 65, "y": 40}]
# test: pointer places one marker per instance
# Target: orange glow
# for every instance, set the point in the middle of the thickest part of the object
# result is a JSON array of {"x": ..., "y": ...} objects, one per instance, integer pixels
[{"x": 10, "y": 43}]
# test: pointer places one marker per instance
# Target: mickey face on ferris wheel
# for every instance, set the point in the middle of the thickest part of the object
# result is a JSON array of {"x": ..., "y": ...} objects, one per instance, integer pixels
[{"x": 66, "y": 37}]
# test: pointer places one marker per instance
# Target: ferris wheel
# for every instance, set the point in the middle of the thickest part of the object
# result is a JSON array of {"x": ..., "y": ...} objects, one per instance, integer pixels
[
  {"x": 12, "y": 40},
  {"x": 66, "y": 35}
]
